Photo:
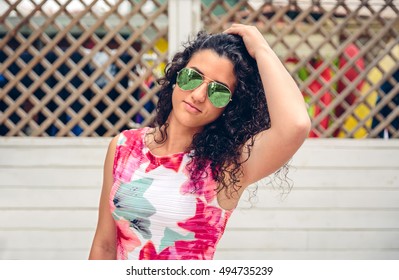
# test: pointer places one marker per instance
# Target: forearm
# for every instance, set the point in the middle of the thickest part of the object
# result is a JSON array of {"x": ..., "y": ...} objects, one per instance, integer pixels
[{"x": 101, "y": 252}]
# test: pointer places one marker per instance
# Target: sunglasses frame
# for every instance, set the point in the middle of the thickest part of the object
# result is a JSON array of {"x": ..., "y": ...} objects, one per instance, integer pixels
[{"x": 209, "y": 84}]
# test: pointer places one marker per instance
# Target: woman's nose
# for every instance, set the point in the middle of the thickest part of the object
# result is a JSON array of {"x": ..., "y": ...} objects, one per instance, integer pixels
[{"x": 199, "y": 94}]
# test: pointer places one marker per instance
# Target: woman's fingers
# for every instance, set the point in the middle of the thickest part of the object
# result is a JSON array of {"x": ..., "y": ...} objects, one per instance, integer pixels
[{"x": 253, "y": 39}]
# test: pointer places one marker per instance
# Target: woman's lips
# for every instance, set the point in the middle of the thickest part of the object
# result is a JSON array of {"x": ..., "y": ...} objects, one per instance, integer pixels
[{"x": 191, "y": 108}]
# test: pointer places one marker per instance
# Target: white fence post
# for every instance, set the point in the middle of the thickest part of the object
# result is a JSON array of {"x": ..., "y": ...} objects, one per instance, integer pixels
[{"x": 184, "y": 21}]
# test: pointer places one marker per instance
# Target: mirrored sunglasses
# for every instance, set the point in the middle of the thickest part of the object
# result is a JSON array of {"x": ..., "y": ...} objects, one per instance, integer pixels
[{"x": 189, "y": 79}]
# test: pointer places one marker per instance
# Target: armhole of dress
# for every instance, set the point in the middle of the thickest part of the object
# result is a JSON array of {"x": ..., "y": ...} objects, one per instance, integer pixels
[{"x": 116, "y": 155}]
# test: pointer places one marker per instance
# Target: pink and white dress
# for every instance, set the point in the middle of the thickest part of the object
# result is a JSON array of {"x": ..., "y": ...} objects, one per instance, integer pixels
[{"x": 158, "y": 213}]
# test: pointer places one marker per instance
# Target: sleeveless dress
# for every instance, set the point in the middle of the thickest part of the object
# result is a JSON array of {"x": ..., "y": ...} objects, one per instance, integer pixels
[{"x": 157, "y": 211}]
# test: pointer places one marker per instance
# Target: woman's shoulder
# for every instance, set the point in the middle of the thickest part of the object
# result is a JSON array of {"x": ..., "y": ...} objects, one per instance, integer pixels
[
  {"x": 131, "y": 136},
  {"x": 129, "y": 144}
]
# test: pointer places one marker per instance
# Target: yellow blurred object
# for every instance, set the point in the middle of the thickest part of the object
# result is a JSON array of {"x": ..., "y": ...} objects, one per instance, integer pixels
[
  {"x": 362, "y": 111},
  {"x": 161, "y": 46}
]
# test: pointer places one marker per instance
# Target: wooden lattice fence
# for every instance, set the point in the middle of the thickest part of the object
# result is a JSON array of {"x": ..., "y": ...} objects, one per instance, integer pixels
[
  {"x": 343, "y": 54},
  {"x": 90, "y": 69},
  {"x": 80, "y": 73}
]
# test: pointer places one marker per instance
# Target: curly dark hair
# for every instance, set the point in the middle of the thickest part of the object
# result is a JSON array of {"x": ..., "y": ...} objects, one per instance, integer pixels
[{"x": 222, "y": 142}]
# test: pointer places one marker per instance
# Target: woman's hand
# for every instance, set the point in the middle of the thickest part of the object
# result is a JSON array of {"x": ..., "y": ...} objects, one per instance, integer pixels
[{"x": 253, "y": 39}]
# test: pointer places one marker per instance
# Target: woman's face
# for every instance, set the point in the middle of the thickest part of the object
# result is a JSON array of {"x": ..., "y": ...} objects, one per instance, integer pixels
[{"x": 192, "y": 108}]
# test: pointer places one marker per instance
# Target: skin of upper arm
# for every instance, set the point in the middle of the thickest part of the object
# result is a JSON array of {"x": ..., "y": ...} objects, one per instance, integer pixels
[
  {"x": 104, "y": 243},
  {"x": 271, "y": 151}
]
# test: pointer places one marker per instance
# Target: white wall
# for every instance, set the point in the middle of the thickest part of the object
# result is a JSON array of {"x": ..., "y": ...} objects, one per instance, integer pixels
[{"x": 344, "y": 203}]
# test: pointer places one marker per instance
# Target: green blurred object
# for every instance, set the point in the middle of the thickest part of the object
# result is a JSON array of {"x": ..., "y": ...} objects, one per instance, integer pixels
[{"x": 219, "y": 10}]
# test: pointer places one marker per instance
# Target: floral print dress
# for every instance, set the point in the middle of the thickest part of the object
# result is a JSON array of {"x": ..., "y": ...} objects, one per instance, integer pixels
[{"x": 157, "y": 211}]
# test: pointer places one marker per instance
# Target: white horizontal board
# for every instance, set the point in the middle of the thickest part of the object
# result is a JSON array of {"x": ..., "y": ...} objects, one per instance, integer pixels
[
  {"x": 265, "y": 199},
  {"x": 319, "y": 157},
  {"x": 222, "y": 255},
  {"x": 52, "y": 156},
  {"x": 309, "y": 239},
  {"x": 51, "y": 177},
  {"x": 352, "y": 240},
  {"x": 322, "y": 199},
  {"x": 344, "y": 178},
  {"x": 314, "y": 153},
  {"x": 296, "y": 218},
  {"x": 54, "y": 141},
  {"x": 301, "y": 178},
  {"x": 49, "y": 198},
  {"x": 344, "y": 153},
  {"x": 307, "y": 255},
  {"x": 330, "y": 144},
  {"x": 251, "y": 219},
  {"x": 346, "y": 143},
  {"x": 45, "y": 240},
  {"x": 31, "y": 219},
  {"x": 266, "y": 239},
  {"x": 25, "y": 254}
]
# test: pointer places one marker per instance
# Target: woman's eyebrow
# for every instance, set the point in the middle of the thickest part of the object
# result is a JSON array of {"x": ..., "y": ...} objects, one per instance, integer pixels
[{"x": 199, "y": 71}]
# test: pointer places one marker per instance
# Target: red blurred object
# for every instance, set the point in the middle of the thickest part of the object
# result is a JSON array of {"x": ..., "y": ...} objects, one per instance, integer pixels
[
  {"x": 350, "y": 75},
  {"x": 326, "y": 98}
]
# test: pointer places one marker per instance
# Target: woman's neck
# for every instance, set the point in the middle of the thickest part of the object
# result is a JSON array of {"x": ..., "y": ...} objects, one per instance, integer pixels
[{"x": 178, "y": 139}]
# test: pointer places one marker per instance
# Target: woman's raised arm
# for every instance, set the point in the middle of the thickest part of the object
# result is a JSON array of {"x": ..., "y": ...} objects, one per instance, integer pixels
[{"x": 290, "y": 123}]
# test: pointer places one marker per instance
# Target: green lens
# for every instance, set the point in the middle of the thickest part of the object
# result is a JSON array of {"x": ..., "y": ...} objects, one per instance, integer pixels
[
  {"x": 189, "y": 79},
  {"x": 218, "y": 94}
]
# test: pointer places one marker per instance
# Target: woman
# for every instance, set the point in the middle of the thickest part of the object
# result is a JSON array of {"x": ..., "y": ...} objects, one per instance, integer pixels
[{"x": 169, "y": 191}]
